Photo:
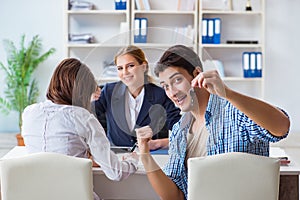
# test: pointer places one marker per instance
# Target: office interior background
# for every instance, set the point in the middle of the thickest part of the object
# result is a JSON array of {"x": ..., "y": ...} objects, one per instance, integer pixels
[{"x": 46, "y": 18}]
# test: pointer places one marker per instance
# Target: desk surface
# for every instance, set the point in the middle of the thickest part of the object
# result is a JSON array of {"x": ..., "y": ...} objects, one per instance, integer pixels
[{"x": 293, "y": 167}]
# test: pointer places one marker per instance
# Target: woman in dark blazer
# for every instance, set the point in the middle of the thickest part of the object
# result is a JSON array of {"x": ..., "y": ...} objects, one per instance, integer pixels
[{"x": 135, "y": 102}]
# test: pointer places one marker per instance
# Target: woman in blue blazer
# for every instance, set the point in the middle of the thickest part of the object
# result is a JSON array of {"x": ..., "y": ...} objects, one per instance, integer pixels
[{"x": 135, "y": 102}]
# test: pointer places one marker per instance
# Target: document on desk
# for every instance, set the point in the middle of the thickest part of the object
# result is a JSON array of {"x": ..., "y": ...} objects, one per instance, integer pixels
[
  {"x": 120, "y": 149},
  {"x": 159, "y": 152},
  {"x": 277, "y": 152}
]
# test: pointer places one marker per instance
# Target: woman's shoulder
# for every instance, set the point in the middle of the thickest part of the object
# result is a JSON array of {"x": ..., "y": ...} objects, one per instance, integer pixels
[
  {"x": 154, "y": 87},
  {"x": 109, "y": 87},
  {"x": 36, "y": 106}
]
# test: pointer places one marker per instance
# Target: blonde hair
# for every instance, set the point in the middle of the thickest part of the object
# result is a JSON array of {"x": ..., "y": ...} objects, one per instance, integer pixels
[{"x": 139, "y": 55}]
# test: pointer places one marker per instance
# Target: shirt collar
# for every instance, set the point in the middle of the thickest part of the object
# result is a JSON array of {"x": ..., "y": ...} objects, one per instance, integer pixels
[{"x": 213, "y": 107}]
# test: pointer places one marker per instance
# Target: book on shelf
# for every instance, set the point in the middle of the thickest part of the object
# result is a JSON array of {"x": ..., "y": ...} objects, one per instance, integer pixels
[
  {"x": 142, "y": 5},
  {"x": 186, "y": 5},
  {"x": 183, "y": 35},
  {"x": 216, "y": 4}
]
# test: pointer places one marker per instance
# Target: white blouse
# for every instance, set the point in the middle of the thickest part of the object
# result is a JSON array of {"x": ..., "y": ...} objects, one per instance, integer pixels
[
  {"x": 73, "y": 131},
  {"x": 133, "y": 107}
]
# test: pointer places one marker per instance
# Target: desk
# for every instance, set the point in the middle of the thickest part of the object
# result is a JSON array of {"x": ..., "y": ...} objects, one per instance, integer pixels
[{"x": 137, "y": 185}]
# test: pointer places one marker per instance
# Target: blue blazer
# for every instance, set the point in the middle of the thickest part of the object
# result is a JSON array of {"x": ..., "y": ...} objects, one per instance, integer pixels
[{"x": 157, "y": 110}]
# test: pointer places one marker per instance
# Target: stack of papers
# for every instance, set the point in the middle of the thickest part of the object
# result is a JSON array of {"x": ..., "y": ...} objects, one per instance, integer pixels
[
  {"x": 80, "y": 5},
  {"x": 81, "y": 38}
]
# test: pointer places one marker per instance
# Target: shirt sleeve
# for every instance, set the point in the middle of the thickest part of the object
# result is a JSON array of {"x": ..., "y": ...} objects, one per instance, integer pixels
[
  {"x": 99, "y": 107},
  {"x": 257, "y": 132},
  {"x": 99, "y": 146},
  {"x": 175, "y": 167}
]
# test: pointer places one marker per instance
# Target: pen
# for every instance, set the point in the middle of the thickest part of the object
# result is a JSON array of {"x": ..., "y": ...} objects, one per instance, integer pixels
[{"x": 133, "y": 147}]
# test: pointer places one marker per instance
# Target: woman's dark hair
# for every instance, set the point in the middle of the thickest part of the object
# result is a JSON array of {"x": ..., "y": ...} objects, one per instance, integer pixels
[
  {"x": 138, "y": 54},
  {"x": 72, "y": 83},
  {"x": 178, "y": 56}
]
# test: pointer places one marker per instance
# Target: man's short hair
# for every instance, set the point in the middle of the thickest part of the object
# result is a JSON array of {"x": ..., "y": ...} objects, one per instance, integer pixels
[{"x": 178, "y": 56}]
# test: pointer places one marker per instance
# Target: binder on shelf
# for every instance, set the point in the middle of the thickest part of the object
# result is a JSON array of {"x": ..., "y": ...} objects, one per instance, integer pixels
[
  {"x": 246, "y": 64},
  {"x": 210, "y": 31},
  {"x": 143, "y": 30},
  {"x": 204, "y": 31},
  {"x": 120, "y": 4},
  {"x": 252, "y": 71},
  {"x": 217, "y": 31},
  {"x": 252, "y": 64},
  {"x": 140, "y": 30},
  {"x": 258, "y": 64},
  {"x": 136, "y": 30}
]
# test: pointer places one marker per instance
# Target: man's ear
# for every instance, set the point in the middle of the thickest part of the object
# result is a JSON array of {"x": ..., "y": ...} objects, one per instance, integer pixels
[{"x": 196, "y": 71}]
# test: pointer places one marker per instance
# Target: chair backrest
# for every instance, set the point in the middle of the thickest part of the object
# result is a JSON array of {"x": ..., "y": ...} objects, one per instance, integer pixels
[
  {"x": 233, "y": 176},
  {"x": 46, "y": 176}
]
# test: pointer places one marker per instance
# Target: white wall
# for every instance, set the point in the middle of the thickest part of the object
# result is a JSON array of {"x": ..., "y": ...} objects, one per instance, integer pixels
[
  {"x": 282, "y": 83},
  {"x": 46, "y": 19},
  {"x": 31, "y": 17}
]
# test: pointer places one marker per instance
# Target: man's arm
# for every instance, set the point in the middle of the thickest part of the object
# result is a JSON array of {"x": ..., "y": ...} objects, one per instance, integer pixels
[
  {"x": 162, "y": 184},
  {"x": 264, "y": 114}
]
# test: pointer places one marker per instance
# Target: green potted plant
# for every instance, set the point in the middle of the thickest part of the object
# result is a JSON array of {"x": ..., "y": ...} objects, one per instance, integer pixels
[{"x": 21, "y": 89}]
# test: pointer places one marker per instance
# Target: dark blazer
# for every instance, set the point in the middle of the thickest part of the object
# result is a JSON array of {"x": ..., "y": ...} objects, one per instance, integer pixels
[{"x": 157, "y": 110}]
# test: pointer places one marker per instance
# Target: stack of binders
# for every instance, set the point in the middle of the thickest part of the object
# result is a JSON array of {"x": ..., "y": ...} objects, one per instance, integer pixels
[
  {"x": 120, "y": 4},
  {"x": 140, "y": 30},
  {"x": 211, "y": 31},
  {"x": 252, "y": 64}
]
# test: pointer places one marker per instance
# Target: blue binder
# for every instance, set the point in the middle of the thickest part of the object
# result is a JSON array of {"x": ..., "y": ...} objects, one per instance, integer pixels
[
  {"x": 210, "y": 31},
  {"x": 258, "y": 64},
  {"x": 253, "y": 70},
  {"x": 204, "y": 31},
  {"x": 143, "y": 30},
  {"x": 136, "y": 30},
  {"x": 246, "y": 64},
  {"x": 140, "y": 30},
  {"x": 217, "y": 31},
  {"x": 120, "y": 4}
]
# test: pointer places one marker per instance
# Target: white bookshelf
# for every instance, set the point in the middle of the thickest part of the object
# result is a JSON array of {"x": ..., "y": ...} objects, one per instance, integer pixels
[
  {"x": 104, "y": 23},
  {"x": 164, "y": 21},
  {"x": 236, "y": 24}
]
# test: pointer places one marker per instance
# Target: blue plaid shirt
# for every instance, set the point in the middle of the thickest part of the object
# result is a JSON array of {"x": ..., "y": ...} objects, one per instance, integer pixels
[{"x": 229, "y": 129}]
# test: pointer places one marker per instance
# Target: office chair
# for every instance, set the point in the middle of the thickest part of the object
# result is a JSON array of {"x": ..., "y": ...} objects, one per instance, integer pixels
[
  {"x": 46, "y": 176},
  {"x": 233, "y": 176}
]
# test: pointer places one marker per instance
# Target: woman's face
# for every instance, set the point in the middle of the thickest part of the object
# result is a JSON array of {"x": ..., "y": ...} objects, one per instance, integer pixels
[{"x": 130, "y": 72}]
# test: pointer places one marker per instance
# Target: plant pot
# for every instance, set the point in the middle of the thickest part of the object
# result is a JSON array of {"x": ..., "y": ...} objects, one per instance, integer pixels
[{"x": 20, "y": 139}]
